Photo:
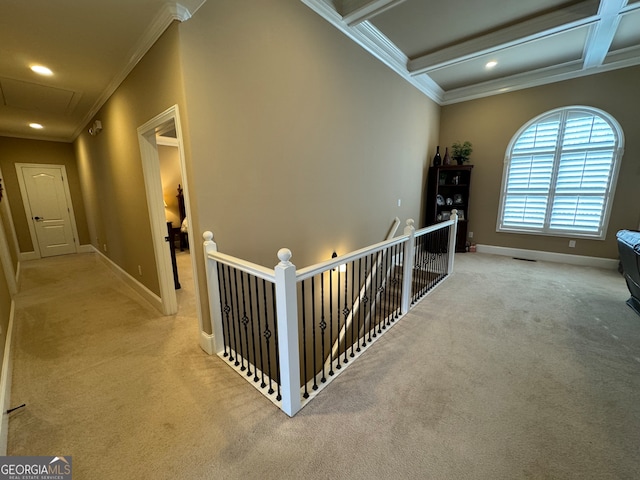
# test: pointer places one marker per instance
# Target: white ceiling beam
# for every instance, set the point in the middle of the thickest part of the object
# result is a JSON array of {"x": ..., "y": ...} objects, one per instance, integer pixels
[
  {"x": 543, "y": 76},
  {"x": 357, "y": 11},
  {"x": 542, "y": 26},
  {"x": 601, "y": 35}
]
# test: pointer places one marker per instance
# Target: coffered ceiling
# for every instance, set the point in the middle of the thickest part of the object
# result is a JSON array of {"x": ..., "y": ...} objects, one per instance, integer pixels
[
  {"x": 444, "y": 47},
  {"x": 441, "y": 47}
]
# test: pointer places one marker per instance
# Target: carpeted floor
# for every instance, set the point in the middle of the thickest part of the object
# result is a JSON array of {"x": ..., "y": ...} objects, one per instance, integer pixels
[{"x": 509, "y": 370}]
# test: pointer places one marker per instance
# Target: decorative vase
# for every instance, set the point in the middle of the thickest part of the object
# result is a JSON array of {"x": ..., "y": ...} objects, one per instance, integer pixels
[{"x": 447, "y": 158}]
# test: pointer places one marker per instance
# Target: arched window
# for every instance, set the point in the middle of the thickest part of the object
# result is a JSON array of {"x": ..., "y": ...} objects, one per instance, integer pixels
[{"x": 560, "y": 174}]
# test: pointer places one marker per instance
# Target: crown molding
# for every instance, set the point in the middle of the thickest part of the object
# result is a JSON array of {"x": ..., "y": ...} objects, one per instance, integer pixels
[
  {"x": 378, "y": 45},
  {"x": 167, "y": 14}
]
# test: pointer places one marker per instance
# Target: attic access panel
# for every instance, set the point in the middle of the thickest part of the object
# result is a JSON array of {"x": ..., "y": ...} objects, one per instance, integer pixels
[{"x": 32, "y": 96}]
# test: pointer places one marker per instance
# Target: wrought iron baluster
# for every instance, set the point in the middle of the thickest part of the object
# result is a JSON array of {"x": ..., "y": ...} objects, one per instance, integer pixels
[
  {"x": 359, "y": 302},
  {"x": 387, "y": 286},
  {"x": 331, "y": 372},
  {"x": 275, "y": 327},
  {"x": 338, "y": 315},
  {"x": 233, "y": 353},
  {"x": 259, "y": 320},
  {"x": 238, "y": 341},
  {"x": 398, "y": 279},
  {"x": 253, "y": 333},
  {"x": 225, "y": 309},
  {"x": 245, "y": 323},
  {"x": 380, "y": 308},
  {"x": 313, "y": 332},
  {"x": 267, "y": 332},
  {"x": 304, "y": 342},
  {"x": 353, "y": 320},
  {"x": 323, "y": 327},
  {"x": 369, "y": 298},
  {"x": 345, "y": 312}
]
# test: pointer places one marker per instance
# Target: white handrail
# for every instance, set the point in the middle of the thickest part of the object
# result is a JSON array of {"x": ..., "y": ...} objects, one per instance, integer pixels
[{"x": 259, "y": 271}]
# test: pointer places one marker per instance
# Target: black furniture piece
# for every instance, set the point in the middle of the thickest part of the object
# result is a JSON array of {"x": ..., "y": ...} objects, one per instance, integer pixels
[
  {"x": 629, "y": 249},
  {"x": 448, "y": 188},
  {"x": 172, "y": 249}
]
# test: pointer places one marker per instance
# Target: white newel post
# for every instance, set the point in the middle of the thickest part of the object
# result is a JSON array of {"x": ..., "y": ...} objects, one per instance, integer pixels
[
  {"x": 287, "y": 311},
  {"x": 213, "y": 291},
  {"x": 407, "y": 265},
  {"x": 452, "y": 239}
]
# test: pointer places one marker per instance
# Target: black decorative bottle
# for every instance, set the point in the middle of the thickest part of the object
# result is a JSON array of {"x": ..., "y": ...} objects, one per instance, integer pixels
[{"x": 437, "y": 160}]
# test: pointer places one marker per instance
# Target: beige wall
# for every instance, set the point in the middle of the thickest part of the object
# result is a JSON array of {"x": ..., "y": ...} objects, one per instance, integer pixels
[
  {"x": 17, "y": 150},
  {"x": 490, "y": 123},
  {"x": 299, "y": 137},
  {"x": 110, "y": 164}
]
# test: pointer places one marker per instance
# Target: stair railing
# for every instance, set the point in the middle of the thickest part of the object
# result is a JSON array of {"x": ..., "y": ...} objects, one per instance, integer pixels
[{"x": 273, "y": 333}]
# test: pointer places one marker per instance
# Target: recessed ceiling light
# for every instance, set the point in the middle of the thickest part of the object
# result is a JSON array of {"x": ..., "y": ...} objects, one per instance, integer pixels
[
  {"x": 41, "y": 70},
  {"x": 37, "y": 126},
  {"x": 491, "y": 64}
]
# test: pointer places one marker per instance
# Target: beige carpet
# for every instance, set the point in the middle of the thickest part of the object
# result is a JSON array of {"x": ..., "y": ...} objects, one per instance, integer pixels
[{"x": 509, "y": 370}]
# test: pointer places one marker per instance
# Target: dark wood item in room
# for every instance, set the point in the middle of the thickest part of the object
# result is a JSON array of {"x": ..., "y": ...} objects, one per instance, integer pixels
[
  {"x": 448, "y": 187},
  {"x": 172, "y": 249},
  {"x": 184, "y": 243}
]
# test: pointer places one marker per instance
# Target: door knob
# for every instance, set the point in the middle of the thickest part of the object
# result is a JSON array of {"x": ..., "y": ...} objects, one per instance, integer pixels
[{"x": 38, "y": 219}]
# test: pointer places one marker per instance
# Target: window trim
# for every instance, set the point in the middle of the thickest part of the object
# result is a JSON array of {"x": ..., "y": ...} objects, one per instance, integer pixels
[{"x": 618, "y": 151}]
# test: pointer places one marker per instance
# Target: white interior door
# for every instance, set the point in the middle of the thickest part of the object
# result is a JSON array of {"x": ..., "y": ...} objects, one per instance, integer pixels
[{"x": 48, "y": 205}]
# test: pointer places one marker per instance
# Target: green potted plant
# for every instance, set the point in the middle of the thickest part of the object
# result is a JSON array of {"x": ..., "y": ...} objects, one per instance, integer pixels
[{"x": 461, "y": 152}]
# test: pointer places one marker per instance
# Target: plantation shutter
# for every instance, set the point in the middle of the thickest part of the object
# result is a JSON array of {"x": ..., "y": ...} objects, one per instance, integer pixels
[
  {"x": 584, "y": 173},
  {"x": 530, "y": 174},
  {"x": 559, "y": 175}
]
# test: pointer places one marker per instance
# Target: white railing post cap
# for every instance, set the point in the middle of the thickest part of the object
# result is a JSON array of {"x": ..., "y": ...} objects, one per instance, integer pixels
[
  {"x": 284, "y": 254},
  {"x": 208, "y": 236},
  {"x": 410, "y": 222}
]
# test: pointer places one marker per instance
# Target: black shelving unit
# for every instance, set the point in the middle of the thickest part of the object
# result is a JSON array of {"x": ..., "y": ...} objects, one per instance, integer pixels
[{"x": 448, "y": 187}]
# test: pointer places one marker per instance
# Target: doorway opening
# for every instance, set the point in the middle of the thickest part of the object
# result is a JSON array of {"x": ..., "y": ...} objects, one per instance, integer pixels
[{"x": 166, "y": 127}]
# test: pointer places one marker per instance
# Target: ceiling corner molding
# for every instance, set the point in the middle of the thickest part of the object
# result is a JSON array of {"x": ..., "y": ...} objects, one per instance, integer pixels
[
  {"x": 368, "y": 10},
  {"x": 179, "y": 12},
  {"x": 167, "y": 14},
  {"x": 377, "y": 44}
]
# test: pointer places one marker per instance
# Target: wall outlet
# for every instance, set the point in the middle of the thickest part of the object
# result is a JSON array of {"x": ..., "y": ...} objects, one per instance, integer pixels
[
  {"x": 140, "y": 270},
  {"x": 104, "y": 247},
  {"x": 572, "y": 244},
  {"x": 470, "y": 234}
]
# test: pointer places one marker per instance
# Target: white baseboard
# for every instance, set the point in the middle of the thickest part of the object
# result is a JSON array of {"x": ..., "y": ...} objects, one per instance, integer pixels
[
  {"x": 26, "y": 256},
  {"x": 144, "y": 292},
  {"x": 598, "y": 262},
  {"x": 206, "y": 342},
  {"x": 86, "y": 249},
  {"x": 18, "y": 270},
  {"x": 5, "y": 383}
]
